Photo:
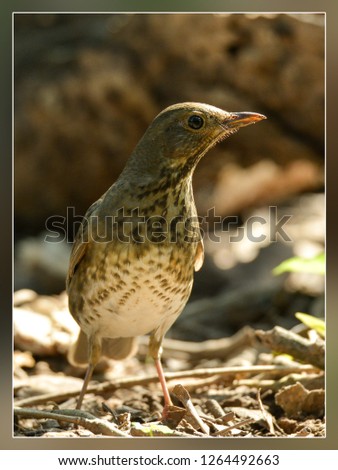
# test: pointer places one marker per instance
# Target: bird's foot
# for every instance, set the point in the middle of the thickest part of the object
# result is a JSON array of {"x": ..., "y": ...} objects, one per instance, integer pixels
[{"x": 172, "y": 415}]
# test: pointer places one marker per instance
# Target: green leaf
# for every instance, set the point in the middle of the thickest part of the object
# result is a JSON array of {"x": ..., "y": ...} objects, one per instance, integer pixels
[
  {"x": 152, "y": 429},
  {"x": 315, "y": 265},
  {"x": 312, "y": 322}
]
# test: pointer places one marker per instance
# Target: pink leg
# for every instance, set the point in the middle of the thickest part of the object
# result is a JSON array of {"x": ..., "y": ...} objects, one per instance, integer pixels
[
  {"x": 167, "y": 399},
  {"x": 86, "y": 381},
  {"x": 155, "y": 353}
]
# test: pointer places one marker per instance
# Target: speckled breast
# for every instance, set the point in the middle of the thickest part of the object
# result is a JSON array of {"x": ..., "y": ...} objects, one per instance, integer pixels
[{"x": 131, "y": 289}]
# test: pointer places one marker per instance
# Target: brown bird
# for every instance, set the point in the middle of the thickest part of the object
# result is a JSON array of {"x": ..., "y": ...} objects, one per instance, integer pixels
[{"x": 132, "y": 263}]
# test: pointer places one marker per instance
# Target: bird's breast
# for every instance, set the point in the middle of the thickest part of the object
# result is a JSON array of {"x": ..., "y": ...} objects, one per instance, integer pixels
[{"x": 135, "y": 287}]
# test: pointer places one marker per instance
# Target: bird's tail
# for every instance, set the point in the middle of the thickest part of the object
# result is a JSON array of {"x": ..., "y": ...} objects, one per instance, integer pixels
[{"x": 114, "y": 348}]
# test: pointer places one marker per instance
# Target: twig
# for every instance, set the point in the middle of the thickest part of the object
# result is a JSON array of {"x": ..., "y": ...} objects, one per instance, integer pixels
[
  {"x": 129, "y": 382},
  {"x": 78, "y": 417},
  {"x": 311, "y": 382},
  {"x": 192, "y": 384},
  {"x": 185, "y": 399},
  {"x": 266, "y": 416},
  {"x": 284, "y": 341},
  {"x": 194, "y": 351},
  {"x": 225, "y": 431},
  {"x": 214, "y": 408}
]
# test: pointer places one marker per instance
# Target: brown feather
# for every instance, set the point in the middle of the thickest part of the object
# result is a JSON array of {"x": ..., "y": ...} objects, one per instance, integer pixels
[
  {"x": 199, "y": 255},
  {"x": 80, "y": 243}
]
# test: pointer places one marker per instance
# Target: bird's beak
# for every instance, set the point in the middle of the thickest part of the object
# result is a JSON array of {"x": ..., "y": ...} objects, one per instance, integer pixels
[{"x": 236, "y": 120}]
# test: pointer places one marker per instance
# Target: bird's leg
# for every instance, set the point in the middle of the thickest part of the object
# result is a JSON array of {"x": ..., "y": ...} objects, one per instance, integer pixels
[
  {"x": 94, "y": 354},
  {"x": 167, "y": 399},
  {"x": 86, "y": 380},
  {"x": 155, "y": 351}
]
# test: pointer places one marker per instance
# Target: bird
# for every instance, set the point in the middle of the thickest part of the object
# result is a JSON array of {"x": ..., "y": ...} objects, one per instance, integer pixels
[{"x": 133, "y": 259}]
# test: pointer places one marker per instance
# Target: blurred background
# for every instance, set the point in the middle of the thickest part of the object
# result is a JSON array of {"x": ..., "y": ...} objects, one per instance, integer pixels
[{"x": 87, "y": 87}]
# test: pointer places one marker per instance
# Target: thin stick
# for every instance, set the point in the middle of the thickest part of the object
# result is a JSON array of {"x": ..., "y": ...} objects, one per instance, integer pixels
[
  {"x": 146, "y": 380},
  {"x": 185, "y": 399},
  {"x": 225, "y": 431},
  {"x": 209, "y": 349},
  {"x": 95, "y": 425}
]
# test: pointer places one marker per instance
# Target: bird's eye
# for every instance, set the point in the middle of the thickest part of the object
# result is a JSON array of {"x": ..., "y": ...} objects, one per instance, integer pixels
[{"x": 195, "y": 122}]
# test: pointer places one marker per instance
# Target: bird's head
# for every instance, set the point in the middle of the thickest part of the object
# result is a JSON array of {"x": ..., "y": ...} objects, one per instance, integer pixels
[{"x": 181, "y": 134}]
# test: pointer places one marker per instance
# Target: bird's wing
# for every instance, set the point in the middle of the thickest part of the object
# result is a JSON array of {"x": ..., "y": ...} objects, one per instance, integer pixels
[
  {"x": 199, "y": 256},
  {"x": 81, "y": 242}
]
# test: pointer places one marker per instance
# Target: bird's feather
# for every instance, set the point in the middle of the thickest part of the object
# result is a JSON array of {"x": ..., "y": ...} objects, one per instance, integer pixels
[
  {"x": 199, "y": 255},
  {"x": 81, "y": 242}
]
